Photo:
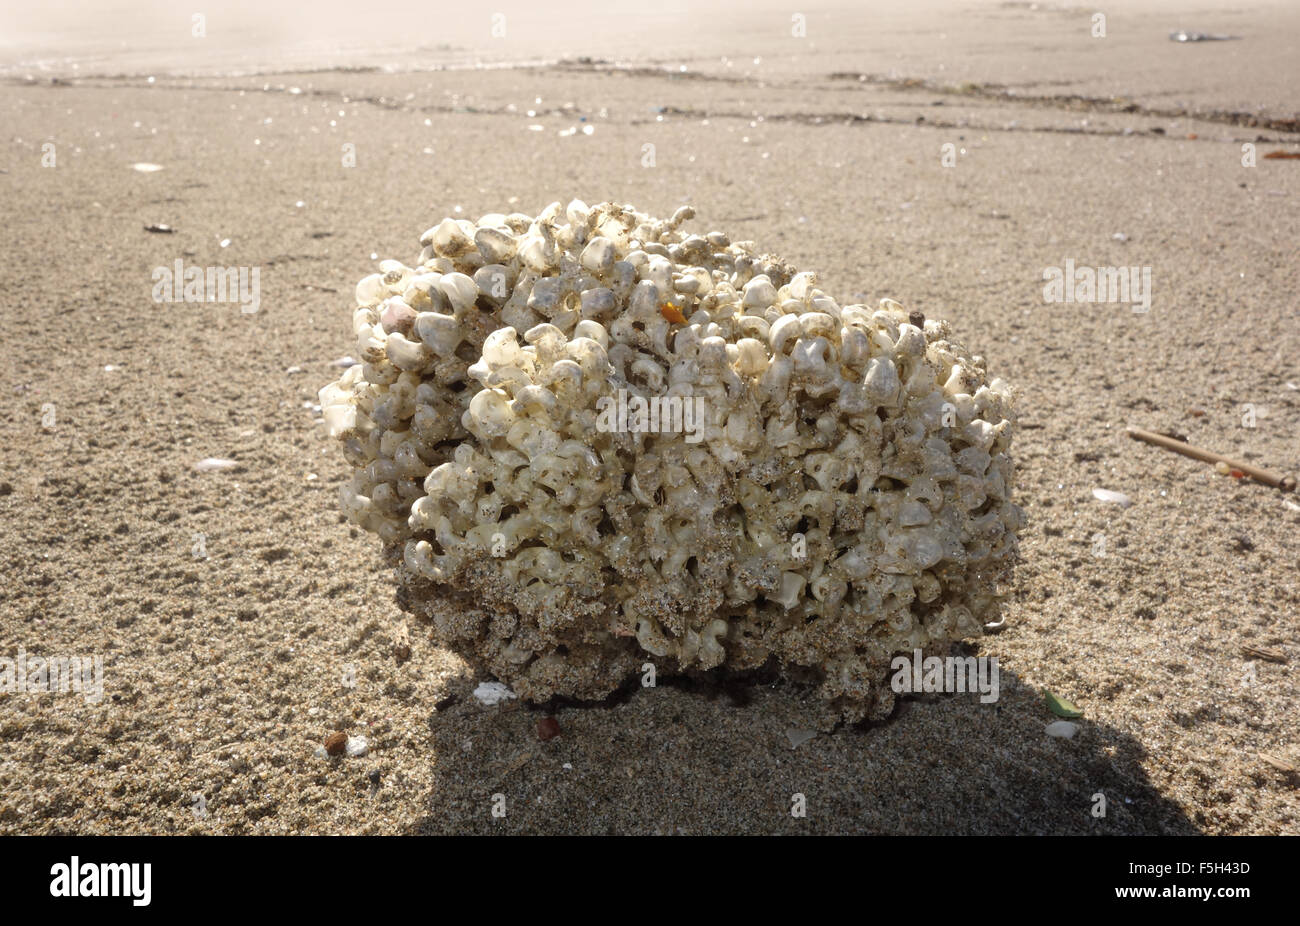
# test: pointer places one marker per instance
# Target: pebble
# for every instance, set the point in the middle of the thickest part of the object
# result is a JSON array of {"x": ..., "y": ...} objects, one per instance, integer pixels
[
  {"x": 357, "y": 746},
  {"x": 1062, "y": 729},
  {"x": 336, "y": 744},
  {"x": 548, "y": 728}
]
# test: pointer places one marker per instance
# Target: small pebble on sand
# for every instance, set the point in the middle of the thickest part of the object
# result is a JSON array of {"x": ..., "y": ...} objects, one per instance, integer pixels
[{"x": 548, "y": 728}]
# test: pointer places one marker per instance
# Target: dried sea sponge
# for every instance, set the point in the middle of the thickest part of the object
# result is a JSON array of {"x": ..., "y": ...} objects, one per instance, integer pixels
[{"x": 589, "y": 440}]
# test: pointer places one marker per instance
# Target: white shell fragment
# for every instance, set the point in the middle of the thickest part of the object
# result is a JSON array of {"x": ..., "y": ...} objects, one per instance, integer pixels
[
  {"x": 1115, "y": 498},
  {"x": 214, "y": 465},
  {"x": 591, "y": 439},
  {"x": 798, "y": 737},
  {"x": 490, "y": 694},
  {"x": 1062, "y": 729}
]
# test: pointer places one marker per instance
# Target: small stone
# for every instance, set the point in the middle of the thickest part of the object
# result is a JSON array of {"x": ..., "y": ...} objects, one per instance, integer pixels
[
  {"x": 336, "y": 744},
  {"x": 356, "y": 746},
  {"x": 6, "y": 488},
  {"x": 401, "y": 652},
  {"x": 548, "y": 728}
]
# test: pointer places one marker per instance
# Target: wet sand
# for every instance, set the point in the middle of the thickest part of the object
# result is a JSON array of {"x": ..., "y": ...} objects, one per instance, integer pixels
[{"x": 224, "y": 673}]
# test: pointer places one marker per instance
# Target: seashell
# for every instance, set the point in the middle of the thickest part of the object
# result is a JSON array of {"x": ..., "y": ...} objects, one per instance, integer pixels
[
  {"x": 1115, "y": 498},
  {"x": 460, "y": 291},
  {"x": 881, "y": 381},
  {"x": 751, "y": 359},
  {"x": 598, "y": 256},
  {"x": 447, "y": 239},
  {"x": 1061, "y": 729},
  {"x": 396, "y": 316},
  {"x": 783, "y": 332},
  {"x": 215, "y": 465},
  {"x": 440, "y": 333},
  {"x": 759, "y": 293},
  {"x": 493, "y": 282},
  {"x": 490, "y": 694},
  {"x": 371, "y": 290},
  {"x": 495, "y": 245},
  {"x": 407, "y": 355}
]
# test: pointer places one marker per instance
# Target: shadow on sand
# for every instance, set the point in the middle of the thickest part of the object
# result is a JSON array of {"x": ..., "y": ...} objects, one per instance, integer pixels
[{"x": 711, "y": 755}]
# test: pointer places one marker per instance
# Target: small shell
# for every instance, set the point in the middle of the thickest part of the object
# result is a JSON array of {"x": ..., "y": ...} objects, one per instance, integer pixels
[
  {"x": 1115, "y": 498},
  {"x": 1061, "y": 729}
]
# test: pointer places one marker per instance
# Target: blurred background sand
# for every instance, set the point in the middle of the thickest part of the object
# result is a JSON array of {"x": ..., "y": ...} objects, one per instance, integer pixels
[{"x": 223, "y": 674}]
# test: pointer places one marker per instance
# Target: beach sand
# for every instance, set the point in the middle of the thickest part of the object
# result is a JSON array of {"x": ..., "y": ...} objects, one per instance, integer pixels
[{"x": 224, "y": 673}]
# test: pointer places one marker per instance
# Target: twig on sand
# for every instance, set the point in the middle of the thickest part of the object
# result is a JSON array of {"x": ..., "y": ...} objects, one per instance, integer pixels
[
  {"x": 1258, "y": 473},
  {"x": 1268, "y": 655}
]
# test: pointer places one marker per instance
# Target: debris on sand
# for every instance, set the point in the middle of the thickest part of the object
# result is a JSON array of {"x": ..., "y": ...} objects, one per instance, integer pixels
[
  {"x": 1062, "y": 729},
  {"x": 215, "y": 465},
  {"x": 1115, "y": 498},
  {"x": 490, "y": 694},
  {"x": 1237, "y": 468}
]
